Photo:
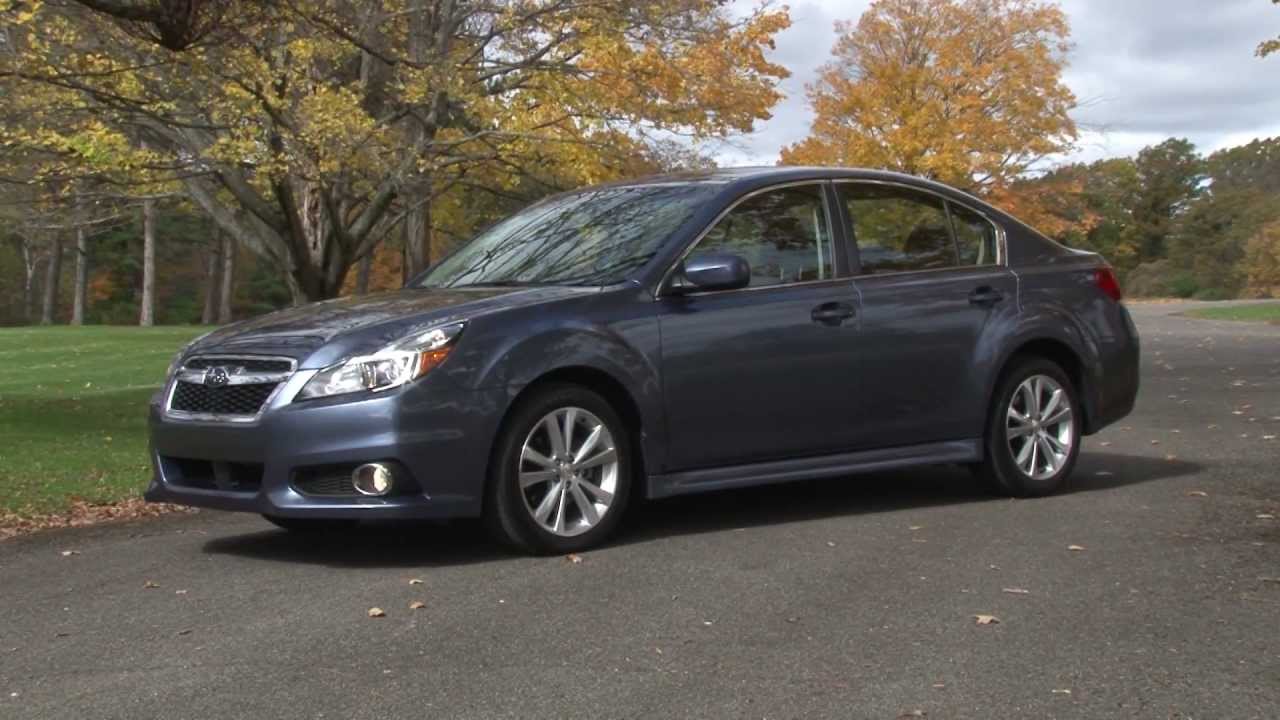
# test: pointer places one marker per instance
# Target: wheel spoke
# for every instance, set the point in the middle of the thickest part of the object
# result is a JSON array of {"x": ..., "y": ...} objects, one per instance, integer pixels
[
  {"x": 1035, "y": 455},
  {"x": 1057, "y": 446},
  {"x": 589, "y": 444},
  {"x": 1024, "y": 455},
  {"x": 570, "y": 419},
  {"x": 1019, "y": 431},
  {"x": 1063, "y": 415},
  {"x": 1049, "y": 407},
  {"x": 552, "y": 428},
  {"x": 528, "y": 479},
  {"x": 1037, "y": 387},
  {"x": 603, "y": 458},
  {"x": 548, "y": 503},
  {"x": 587, "y": 507},
  {"x": 537, "y": 458},
  {"x": 604, "y": 496},
  {"x": 1018, "y": 417},
  {"x": 1050, "y": 460},
  {"x": 562, "y": 496}
]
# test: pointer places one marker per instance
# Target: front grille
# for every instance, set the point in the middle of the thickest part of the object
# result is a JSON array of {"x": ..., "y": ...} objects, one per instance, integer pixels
[
  {"x": 211, "y": 475},
  {"x": 248, "y": 364},
  {"x": 225, "y": 400}
]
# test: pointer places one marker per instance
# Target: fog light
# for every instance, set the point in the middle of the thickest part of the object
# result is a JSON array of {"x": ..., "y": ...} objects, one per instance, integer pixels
[{"x": 372, "y": 479}]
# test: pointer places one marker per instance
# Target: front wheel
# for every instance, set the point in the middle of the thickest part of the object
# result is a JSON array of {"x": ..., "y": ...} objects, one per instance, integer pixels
[
  {"x": 560, "y": 475},
  {"x": 1033, "y": 433}
]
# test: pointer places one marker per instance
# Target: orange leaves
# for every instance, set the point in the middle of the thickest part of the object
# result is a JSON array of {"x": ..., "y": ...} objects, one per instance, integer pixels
[{"x": 961, "y": 91}]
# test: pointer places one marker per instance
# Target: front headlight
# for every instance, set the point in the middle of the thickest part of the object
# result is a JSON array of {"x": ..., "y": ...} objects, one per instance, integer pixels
[{"x": 390, "y": 367}]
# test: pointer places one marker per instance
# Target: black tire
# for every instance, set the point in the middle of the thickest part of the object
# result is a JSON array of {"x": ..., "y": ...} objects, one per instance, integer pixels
[
  {"x": 1000, "y": 470},
  {"x": 507, "y": 512},
  {"x": 310, "y": 525}
]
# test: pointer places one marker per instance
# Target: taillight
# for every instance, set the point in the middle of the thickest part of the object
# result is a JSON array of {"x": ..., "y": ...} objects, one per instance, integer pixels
[{"x": 1105, "y": 279}]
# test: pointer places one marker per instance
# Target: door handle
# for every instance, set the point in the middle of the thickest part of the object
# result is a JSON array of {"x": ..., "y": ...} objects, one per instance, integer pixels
[
  {"x": 985, "y": 296},
  {"x": 832, "y": 313}
]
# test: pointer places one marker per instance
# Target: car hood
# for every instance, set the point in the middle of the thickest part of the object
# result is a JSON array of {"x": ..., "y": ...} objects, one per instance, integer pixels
[{"x": 322, "y": 333}]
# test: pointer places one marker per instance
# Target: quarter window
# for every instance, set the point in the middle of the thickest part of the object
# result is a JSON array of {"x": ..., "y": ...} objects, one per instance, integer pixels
[
  {"x": 783, "y": 234},
  {"x": 898, "y": 230},
  {"x": 975, "y": 237}
]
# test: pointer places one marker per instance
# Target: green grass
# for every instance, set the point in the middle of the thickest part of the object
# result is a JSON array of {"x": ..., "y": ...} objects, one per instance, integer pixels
[
  {"x": 73, "y": 411},
  {"x": 1269, "y": 312}
]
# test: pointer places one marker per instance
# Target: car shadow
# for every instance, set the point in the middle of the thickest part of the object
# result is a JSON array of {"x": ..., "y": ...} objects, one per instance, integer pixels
[
  {"x": 410, "y": 544},
  {"x": 871, "y": 493}
]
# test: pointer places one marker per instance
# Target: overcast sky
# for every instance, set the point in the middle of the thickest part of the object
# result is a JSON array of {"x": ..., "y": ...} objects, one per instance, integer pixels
[{"x": 1142, "y": 70}]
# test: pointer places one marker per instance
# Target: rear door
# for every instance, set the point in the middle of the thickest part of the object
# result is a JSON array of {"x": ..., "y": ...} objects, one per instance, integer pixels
[
  {"x": 757, "y": 373},
  {"x": 931, "y": 280}
]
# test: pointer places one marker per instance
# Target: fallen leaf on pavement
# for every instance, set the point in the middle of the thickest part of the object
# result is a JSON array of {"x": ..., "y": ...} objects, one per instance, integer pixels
[
  {"x": 574, "y": 559},
  {"x": 1075, "y": 548},
  {"x": 150, "y": 584},
  {"x": 1062, "y": 691},
  {"x": 1265, "y": 516},
  {"x": 417, "y": 605},
  {"x": 1016, "y": 591},
  {"x": 912, "y": 714},
  {"x": 830, "y": 544},
  {"x": 415, "y": 581},
  {"x": 1106, "y": 443},
  {"x": 69, "y": 553},
  {"x": 377, "y": 612},
  {"x": 1197, "y": 493},
  {"x": 184, "y": 632},
  {"x": 987, "y": 619}
]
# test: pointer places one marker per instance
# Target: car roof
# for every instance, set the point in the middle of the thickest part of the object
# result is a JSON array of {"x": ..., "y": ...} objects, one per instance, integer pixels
[{"x": 743, "y": 179}]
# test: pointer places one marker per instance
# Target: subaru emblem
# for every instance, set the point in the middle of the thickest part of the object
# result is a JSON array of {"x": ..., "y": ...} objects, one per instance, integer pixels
[{"x": 216, "y": 377}]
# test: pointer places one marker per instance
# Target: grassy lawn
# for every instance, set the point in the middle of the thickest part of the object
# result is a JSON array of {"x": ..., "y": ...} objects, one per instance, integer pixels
[
  {"x": 73, "y": 407},
  {"x": 1269, "y": 312}
]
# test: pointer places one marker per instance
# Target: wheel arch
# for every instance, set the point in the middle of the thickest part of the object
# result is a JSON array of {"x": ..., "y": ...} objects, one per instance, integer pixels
[
  {"x": 609, "y": 387},
  {"x": 1062, "y": 354}
]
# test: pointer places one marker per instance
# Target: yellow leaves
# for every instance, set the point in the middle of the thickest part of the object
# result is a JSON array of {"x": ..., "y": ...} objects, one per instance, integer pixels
[{"x": 965, "y": 92}]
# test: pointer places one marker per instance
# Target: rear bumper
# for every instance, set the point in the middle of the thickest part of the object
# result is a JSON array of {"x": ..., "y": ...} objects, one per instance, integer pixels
[
  {"x": 1116, "y": 384},
  {"x": 438, "y": 435}
]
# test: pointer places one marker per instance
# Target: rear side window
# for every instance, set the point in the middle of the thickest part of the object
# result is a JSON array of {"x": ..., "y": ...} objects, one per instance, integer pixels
[
  {"x": 897, "y": 229},
  {"x": 975, "y": 237},
  {"x": 783, "y": 234}
]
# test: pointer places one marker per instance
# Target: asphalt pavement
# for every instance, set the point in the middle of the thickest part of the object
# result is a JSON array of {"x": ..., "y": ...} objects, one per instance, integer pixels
[{"x": 1151, "y": 589}]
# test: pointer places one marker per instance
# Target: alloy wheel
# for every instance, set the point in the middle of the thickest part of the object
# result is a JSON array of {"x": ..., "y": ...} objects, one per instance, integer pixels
[
  {"x": 568, "y": 471},
  {"x": 1039, "y": 427}
]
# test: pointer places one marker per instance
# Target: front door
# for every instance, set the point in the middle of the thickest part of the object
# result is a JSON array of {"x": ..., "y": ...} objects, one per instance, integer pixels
[{"x": 755, "y": 374}]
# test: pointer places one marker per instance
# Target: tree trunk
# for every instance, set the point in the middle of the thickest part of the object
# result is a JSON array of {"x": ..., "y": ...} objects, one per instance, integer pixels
[
  {"x": 417, "y": 234},
  {"x": 212, "y": 280},
  {"x": 228, "y": 278},
  {"x": 81, "y": 298},
  {"x": 30, "y": 263},
  {"x": 147, "y": 315},
  {"x": 362, "y": 274},
  {"x": 53, "y": 272}
]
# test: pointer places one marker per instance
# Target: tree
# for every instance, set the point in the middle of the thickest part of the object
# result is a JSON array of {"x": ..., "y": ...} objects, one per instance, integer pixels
[
  {"x": 968, "y": 92},
  {"x": 309, "y": 129},
  {"x": 1262, "y": 262},
  {"x": 1170, "y": 175},
  {"x": 1270, "y": 46}
]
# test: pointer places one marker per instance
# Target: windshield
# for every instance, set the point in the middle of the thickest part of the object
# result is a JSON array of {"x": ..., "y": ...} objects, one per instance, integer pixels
[{"x": 595, "y": 237}]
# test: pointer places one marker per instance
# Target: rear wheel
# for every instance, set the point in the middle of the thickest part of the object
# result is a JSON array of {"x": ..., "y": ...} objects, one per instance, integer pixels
[
  {"x": 310, "y": 525},
  {"x": 561, "y": 473},
  {"x": 1033, "y": 433}
]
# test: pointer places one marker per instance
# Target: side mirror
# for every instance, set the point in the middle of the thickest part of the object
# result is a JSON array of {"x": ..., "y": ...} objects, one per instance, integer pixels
[{"x": 712, "y": 271}]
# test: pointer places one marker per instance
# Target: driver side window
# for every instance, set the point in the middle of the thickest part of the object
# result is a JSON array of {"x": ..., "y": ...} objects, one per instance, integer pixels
[{"x": 783, "y": 234}]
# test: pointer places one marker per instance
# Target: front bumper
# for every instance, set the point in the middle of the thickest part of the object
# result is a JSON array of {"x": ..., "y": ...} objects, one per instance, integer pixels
[{"x": 440, "y": 435}]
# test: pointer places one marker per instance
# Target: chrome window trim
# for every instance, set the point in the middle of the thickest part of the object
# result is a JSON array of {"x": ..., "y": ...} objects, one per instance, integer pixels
[
  {"x": 1002, "y": 249},
  {"x": 693, "y": 244},
  {"x": 280, "y": 378}
]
